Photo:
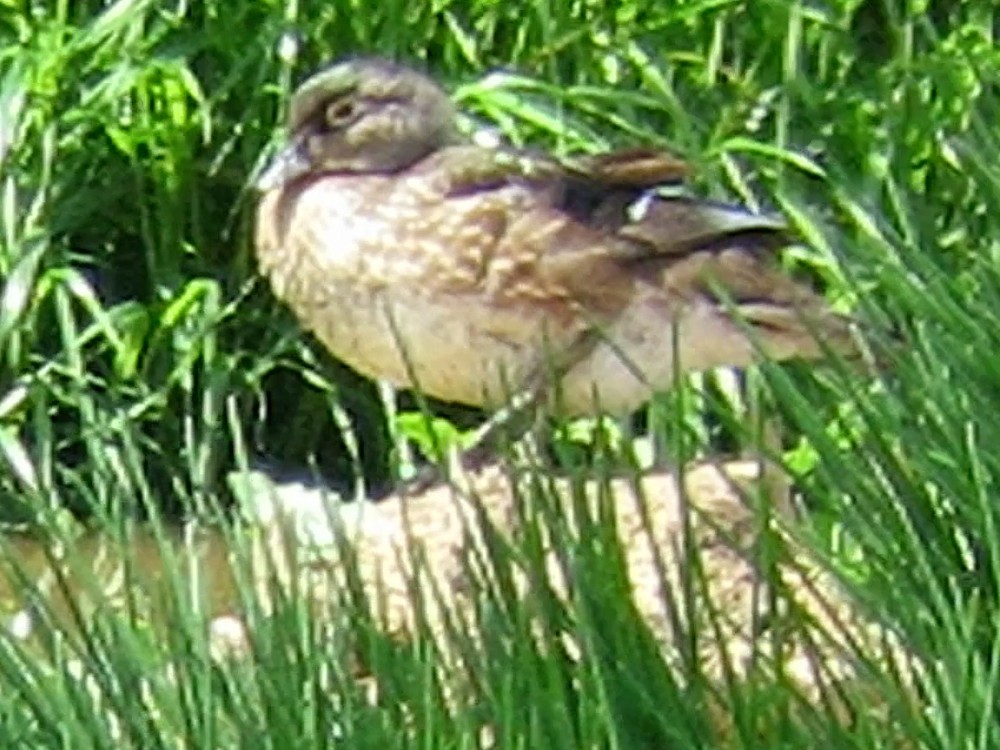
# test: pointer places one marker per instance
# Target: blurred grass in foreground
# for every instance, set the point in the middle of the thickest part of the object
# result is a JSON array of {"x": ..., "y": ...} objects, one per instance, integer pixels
[{"x": 139, "y": 363}]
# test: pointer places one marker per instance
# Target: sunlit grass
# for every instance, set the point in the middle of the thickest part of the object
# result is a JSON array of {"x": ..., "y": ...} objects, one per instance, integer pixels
[{"x": 140, "y": 363}]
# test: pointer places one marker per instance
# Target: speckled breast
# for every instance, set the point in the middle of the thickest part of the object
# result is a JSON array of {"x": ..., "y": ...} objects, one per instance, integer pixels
[{"x": 395, "y": 282}]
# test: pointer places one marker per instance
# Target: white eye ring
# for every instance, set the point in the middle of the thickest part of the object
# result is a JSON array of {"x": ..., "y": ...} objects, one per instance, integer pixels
[{"x": 340, "y": 112}]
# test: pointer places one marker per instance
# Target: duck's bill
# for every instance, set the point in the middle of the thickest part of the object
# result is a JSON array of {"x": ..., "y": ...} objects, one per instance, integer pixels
[{"x": 288, "y": 165}]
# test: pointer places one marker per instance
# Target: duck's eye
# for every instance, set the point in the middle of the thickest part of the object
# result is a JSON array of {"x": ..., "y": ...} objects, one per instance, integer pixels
[{"x": 340, "y": 112}]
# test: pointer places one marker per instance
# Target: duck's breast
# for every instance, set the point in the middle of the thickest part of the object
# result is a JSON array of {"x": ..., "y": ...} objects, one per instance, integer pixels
[{"x": 395, "y": 282}]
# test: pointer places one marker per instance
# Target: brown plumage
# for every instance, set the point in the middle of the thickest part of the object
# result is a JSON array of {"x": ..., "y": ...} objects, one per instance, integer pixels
[{"x": 472, "y": 272}]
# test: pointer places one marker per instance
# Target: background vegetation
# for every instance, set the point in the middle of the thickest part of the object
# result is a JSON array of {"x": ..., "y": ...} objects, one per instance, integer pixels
[{"x": 141, "y": 360}]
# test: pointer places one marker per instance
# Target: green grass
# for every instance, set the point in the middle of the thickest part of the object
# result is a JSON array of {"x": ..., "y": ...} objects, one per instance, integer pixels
[{"x": 141, "y": 360}]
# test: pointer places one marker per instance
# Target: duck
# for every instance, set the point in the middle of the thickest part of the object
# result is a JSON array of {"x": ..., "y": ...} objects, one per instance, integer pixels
[{"x": 473, "y": 272}]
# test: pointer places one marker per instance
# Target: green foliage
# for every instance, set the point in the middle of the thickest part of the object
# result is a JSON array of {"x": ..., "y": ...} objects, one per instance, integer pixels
[
  {"x": 141, "y": 360},
  {"x": 130, "y": 307}
]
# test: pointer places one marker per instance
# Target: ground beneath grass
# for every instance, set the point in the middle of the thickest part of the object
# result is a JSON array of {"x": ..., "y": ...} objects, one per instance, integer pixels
[{"x": 708, "y": 566}]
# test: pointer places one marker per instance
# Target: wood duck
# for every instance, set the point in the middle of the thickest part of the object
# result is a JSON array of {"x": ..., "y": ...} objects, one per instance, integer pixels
[{"x": 474, "y": 272}]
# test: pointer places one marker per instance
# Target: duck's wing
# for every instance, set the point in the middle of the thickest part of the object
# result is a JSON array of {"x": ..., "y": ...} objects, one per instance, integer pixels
[
  {"x": 587, "y": 233},
  {"x": 618, "y": 194},
  {"x": 693, "y": 250}
]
